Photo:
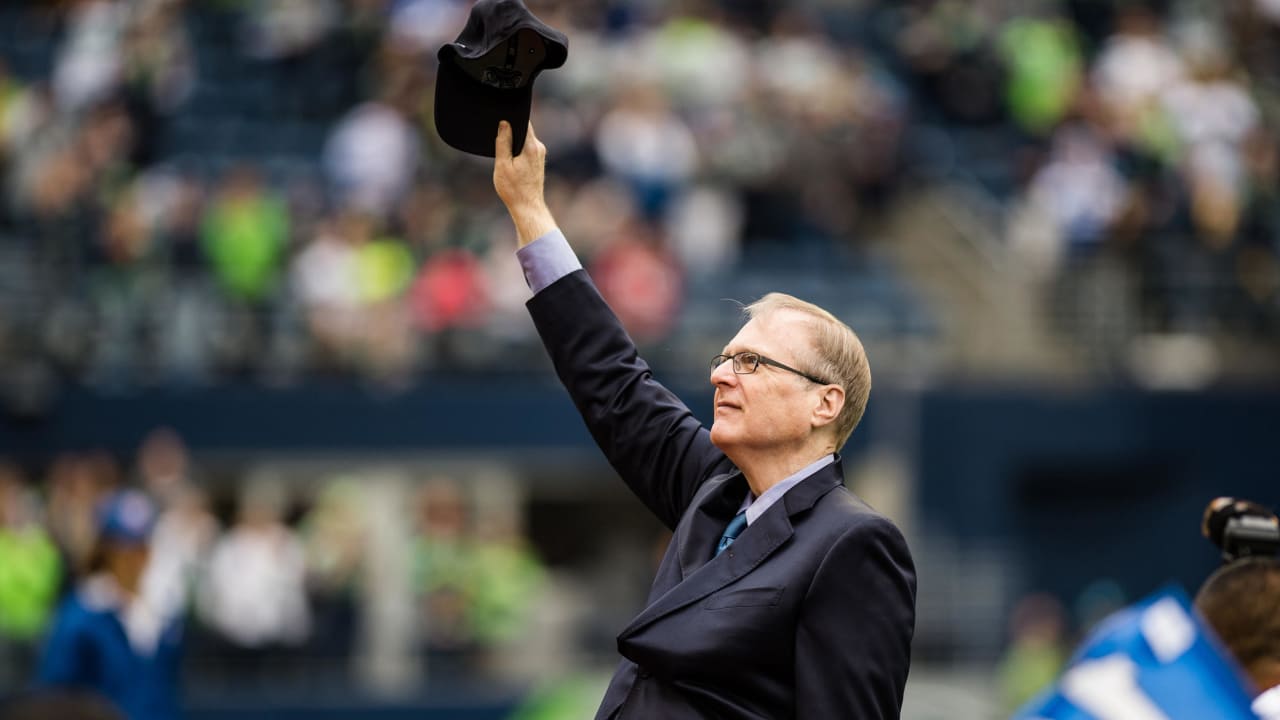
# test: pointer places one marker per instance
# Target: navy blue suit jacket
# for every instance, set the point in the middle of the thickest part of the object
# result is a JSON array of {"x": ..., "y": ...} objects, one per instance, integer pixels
[{"x": 808, "y": 615}]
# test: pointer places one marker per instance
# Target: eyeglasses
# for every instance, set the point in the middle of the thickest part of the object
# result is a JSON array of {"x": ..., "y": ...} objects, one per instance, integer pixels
[{"x": 746, "y": 362}]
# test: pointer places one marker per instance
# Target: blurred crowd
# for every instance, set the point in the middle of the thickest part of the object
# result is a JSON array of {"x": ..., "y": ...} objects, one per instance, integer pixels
[
  {"x": 1150, "y": 181},
  {"x": 199, "y": 188},
  {"x": 272, "y": 581},
  {"x": 229, "y": 186}
]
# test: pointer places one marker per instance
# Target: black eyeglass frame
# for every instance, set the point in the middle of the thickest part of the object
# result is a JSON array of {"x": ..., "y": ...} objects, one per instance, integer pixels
[{"x": 739, "y": 364}]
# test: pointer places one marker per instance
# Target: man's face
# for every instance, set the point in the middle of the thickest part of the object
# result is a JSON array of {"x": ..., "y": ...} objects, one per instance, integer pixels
[
  {"x": 770, "y": 408},
  {"x": 127, "y": 561}
]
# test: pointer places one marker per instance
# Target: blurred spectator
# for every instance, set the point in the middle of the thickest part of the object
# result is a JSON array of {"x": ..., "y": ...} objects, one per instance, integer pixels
[
  {"x": 639, "y": 278},
  {"x": 76, "y": 482},
  {"x": 325, "y": 279},
  {"x": 450, "y": 292},
  {"x": 477, "y": 580},
  {"x": 254, "y": 592},
  {"x": 106, "y": 637},
  {"x": 371, "y": 157},
  {"x": 1135, "y": 65},
  {"x": 334, "y": 535},
  {"x": 948, "y": 55},
  {"x": 509, "y": 585},
  {"x": 185, "y": 529},
  {"x": 647, "y": 146},
  {"x": 245, "y": 234},
  {"x": 29, "y": 576},
  {"x": 1079, "y": 189},
  {"x": 1095, "y": 602},
  {"x": 384, "y": 270},
  {"x": 352, "y": 283},
  {"x": 443, "y": 566},
  {"x": 275, "y": 29},
  {"x": 11, "y": 96},
  {"x": 158, "y": 71},
  {"x": 695, "y": 55},
  {"x": 184, "y": 304},
  {"x": 424, "y": 25},
  {"x": 90, "y": 63},
  {"x": 1045, "y": 70},
  {"x": 1208, "y": 104},
  {"x": 1037, "y": 650},
  {"x": 704, "y": 228}
]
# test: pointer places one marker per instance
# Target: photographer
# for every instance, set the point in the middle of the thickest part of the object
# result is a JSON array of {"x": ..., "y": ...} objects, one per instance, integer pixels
[
  {"x": 1160, "y": 659},
  {"x": 1241, "y": 600}
]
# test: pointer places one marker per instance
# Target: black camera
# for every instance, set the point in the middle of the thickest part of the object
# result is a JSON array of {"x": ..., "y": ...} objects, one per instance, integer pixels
[{"x": 1241, "y": 528}]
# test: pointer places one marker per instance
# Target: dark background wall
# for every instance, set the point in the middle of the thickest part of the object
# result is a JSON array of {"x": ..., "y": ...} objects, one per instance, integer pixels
[{"x": 1085, "y": 484}]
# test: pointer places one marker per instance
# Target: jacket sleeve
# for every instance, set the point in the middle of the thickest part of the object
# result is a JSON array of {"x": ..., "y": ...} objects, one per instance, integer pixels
[
  {"x": 853, "y": 639},
  {"x": 649, "y": 436}
]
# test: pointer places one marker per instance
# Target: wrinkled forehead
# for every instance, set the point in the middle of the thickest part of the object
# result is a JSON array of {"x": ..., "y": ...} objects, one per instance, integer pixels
[
  {"x": 510, "y": 64},
  {"x": 784, "y": 332}
]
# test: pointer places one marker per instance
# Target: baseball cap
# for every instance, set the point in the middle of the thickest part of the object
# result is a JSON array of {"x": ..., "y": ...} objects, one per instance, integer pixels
[
  {"x": 487, "y": 74},
  {"x": 126, "y": 516}
]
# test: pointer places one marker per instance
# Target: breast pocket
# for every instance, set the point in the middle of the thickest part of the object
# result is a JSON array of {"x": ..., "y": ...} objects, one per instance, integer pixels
[{"x": 745, "y": 597}]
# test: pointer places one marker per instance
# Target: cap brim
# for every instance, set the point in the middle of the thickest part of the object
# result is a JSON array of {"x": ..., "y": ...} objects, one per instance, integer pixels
[{"x": 467, "y": 112}]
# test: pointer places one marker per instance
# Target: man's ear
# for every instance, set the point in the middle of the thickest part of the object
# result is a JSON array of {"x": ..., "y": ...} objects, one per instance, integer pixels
[{"x": 829, "y": 405}]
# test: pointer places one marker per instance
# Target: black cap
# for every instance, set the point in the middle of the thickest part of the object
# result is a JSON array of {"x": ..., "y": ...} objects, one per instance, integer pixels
[{"x": 487, "y": 74}]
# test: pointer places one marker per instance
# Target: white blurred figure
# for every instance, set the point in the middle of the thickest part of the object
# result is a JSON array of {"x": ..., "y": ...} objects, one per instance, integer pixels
[
  {"x": 803, "y": 71},
  {"x": 283, "y": 28},
  {"x": 648, "y": 146},
  {"x": 1134, "y": 67},
  {"x": 324, "y": 276},
  {"x": 254, "y": 592},
  {"x": 1209, "y": 104},
  {"x": 185, "y": 529},
  {"x": 1079, "y": 188},
  {"x": 1270, "y": 9},
  {"x": 1213, "y": 115},
  {"x": 89, "y": 64},
  {"x": 371, "y": 157},
  {"x": 704, "y": 229},
  {"x": 422, "y": 26},
  {"x": 699, "y": 60}
]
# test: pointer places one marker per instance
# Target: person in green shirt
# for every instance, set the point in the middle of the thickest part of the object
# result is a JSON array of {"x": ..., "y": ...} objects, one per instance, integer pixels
[
  {"x": 30, "y": 570},
  {"x": 244, "y": 235}
]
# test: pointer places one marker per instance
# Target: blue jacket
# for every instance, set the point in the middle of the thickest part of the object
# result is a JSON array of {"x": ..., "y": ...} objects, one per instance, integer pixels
[{"x": 88, "y": 649}]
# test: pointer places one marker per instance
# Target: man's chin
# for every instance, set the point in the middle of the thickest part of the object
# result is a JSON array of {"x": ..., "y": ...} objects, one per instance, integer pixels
[{"x": 721, "y": 438}]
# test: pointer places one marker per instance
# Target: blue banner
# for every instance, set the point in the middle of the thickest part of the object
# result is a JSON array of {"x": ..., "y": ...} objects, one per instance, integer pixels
[{"x": 1154, "y": 660}]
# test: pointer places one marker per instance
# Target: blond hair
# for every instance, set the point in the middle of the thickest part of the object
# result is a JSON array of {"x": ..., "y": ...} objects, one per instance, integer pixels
[{"x": 836, "y": 355}]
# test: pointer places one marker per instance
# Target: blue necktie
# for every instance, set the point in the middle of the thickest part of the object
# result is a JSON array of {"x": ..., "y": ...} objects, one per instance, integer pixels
[{"x": 731, "y": 533}]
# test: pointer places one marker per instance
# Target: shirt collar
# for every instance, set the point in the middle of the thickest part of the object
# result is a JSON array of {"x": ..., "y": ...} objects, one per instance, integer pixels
[{"x": 755, "y": 507}]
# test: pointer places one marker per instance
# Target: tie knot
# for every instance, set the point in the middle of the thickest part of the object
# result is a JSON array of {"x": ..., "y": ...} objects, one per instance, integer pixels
[{"x": 731, "y": 533}]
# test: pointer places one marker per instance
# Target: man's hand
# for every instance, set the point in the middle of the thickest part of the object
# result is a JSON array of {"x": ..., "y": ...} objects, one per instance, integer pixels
[{"x": 519, "y": 182}]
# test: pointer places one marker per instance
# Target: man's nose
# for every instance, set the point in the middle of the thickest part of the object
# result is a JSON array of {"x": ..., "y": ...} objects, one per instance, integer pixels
[{"x": 723, "y": 373}]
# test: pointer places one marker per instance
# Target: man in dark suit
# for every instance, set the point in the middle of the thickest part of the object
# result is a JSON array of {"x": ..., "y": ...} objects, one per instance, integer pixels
[{"x": 781, "y": 594}]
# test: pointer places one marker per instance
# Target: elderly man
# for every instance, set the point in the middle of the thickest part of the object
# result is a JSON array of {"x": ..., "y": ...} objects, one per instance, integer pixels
[{"x": 781, "y": 594}]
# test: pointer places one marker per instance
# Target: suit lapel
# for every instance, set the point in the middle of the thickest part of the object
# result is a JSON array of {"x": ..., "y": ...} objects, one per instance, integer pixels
[
  {"x": 756, "y": 543},
  {"x": 711, "y": 512}
]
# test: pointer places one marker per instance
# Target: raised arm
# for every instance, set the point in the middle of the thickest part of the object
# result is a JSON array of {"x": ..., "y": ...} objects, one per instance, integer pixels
[
  {"x": 649, "y": 436},
  {"x": 519, "y": 181}
]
